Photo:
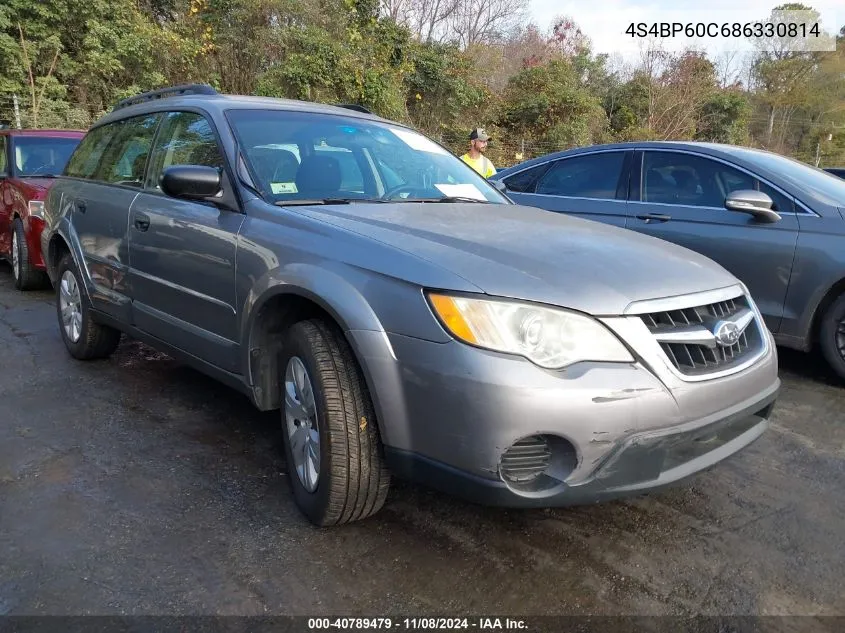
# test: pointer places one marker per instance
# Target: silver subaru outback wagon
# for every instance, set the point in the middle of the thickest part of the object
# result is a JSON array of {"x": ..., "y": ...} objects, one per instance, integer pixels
[{"x": 405, "y": 317}]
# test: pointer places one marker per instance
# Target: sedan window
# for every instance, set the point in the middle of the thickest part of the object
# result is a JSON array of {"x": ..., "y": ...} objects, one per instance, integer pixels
[
  {"x": 589, "y": 176},
  {"x": 684, "y": 179}
]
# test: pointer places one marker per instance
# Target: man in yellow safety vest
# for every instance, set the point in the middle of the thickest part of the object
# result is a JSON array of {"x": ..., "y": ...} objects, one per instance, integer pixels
[{"x": 475, "y": 157}]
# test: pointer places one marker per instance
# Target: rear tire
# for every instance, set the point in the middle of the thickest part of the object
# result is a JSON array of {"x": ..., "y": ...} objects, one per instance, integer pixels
[
  {"x": 84, "y": 338},
  {"x": 27, "y": 277},
  {"x": 352, "y": 481},
  {"x": 832, "y": 336}
]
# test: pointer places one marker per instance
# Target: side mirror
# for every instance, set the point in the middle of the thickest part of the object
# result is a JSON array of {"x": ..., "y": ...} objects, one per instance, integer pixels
[
  {"x": 500, "y": 185},
  {"x": 754, "y": 203},
  {"x": 193, "y": 182}
]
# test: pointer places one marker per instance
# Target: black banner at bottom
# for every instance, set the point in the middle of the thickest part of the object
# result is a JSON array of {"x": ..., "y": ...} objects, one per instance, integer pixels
[{"x": 524, "y": 624}]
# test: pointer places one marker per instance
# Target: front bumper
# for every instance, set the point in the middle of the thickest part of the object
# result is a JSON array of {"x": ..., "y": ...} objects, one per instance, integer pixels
[
  {"x": 644, "y": 462},
  {"x": 448, "y": 412}
]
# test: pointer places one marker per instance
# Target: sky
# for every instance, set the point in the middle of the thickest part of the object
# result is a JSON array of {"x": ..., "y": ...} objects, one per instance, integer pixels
[{"x": 605, "y": 21}]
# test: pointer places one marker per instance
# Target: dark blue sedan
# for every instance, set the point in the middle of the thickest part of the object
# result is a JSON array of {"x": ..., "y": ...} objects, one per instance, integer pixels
[{"x": 776, "y": 223}]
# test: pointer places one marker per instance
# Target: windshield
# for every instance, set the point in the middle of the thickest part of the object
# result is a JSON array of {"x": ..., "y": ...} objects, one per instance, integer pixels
[
  {"x": 311, "y": 156},
  {"x": 816, "y": 183},
  {"x": 39, "y": 156}
]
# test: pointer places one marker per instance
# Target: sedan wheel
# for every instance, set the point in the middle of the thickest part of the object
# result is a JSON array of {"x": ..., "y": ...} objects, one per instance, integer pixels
[{"x": 832, "y": 336}]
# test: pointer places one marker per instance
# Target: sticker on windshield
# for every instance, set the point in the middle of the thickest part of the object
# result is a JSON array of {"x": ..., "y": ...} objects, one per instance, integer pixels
[
  {"x": 283, "y": 187},
  {"x": 463, "y": 191},
  {"x": 418, "y": 141}
]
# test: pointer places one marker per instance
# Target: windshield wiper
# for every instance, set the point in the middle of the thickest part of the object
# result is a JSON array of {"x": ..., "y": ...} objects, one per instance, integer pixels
[
  {"x": 39, "y": 176},
  {"x": 460, "y": 199},
  {"x": 302, "y": 203},
  {"x": 446, "y": 199}
]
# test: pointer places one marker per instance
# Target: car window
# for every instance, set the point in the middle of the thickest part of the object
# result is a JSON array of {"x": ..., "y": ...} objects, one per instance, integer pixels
[
  {"x": 339, "y": 156},
  {"x": 590, "y": 176},
  {"x": 782, "y": 203},
  {"x": 804, "y": 181},
  {"x": 84, "y": 160},
  {"x": 185, "y": 138},
  {"x": 351, "y": 178},
  {"x": 125, "y": 158},
  {"x": 42, "y": 155},
  {"x": 685, "y": 179},
  {"x": 3, "y": 159},
  {"x": 391, "y": 178},
  {"x": 524, "y": 181}
]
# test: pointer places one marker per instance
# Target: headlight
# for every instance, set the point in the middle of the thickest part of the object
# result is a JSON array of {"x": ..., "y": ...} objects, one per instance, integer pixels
[
  {"x": 36, "y": 209},
  {"x": 551, "y": 338}
]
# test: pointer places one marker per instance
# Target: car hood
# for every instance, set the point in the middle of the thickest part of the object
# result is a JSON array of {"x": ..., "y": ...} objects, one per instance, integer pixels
[{"x": 526, "y": 253}]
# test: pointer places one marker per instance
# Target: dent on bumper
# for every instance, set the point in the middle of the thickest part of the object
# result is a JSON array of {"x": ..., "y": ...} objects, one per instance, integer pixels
[{"x": 448, "y": 411}]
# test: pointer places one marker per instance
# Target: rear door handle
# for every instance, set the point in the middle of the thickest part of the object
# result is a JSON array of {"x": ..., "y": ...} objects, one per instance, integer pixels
[
  {"x": 654, "y": 217},
  {"x": 142, "y": 221}
]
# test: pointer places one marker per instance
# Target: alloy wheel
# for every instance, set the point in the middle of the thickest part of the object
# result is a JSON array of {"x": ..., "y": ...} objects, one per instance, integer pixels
[{"x": 301, "y": 424}]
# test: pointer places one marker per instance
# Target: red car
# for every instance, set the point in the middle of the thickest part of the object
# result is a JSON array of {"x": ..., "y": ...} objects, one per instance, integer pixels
[{"x": 30, "y": 160}]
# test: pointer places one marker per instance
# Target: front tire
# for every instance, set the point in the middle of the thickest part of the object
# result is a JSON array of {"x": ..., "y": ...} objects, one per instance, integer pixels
[
  {"x": 84, "y": 338},
  {"x": 332, "y": 445},
  {"x": 832, "y": 336}
]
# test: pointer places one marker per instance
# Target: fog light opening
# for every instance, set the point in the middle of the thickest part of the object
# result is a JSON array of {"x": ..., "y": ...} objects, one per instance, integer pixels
[{"x": 537, "y": 462}]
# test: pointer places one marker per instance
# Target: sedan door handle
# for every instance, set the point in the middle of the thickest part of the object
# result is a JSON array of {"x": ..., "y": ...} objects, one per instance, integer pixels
[
  {"x": 654, "y": 217},
  {"x": 142, "y": 221},
  {"x": 81, "y": 206}
]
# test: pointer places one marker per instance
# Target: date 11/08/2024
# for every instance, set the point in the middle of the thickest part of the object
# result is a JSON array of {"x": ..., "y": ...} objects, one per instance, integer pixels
[{"x": 417, "y": 624}]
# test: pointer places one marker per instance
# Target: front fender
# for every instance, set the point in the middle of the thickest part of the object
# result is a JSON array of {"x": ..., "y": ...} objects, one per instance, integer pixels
[
  {"x": 64, "y": 231},
  {"x": 353, "y": 313},
  {"x": 324, "y": 287}
]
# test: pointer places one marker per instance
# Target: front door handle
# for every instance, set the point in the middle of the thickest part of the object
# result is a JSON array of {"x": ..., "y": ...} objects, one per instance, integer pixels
[
  {"x": 654, "y": 217},
  {"x": 142, "y": 221},
  {"x": 81, "y": 206}
]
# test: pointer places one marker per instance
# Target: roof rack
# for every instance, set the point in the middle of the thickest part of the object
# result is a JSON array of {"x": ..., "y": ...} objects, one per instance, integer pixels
[
  {"x": 170, "y": 91},
  {"x": 354, "y": 106}
]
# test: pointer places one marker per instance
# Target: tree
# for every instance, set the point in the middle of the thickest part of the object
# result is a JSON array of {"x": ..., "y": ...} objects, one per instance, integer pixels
[
  {"x": 441, "y": 88},
  {"x": 475, "y": 22},
  {"x": 724, "y": 118},
  {"x": 781, "y": 71},
  {"x": 548, "y": 105},
  {"x": 104, "y": 50}
]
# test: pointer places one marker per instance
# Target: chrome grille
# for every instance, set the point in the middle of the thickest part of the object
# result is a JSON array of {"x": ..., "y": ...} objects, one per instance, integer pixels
[
  {"x": 690, "y": 316},
  {"x": 688, "y": 336},
  {"x": 526, "y": 459}
]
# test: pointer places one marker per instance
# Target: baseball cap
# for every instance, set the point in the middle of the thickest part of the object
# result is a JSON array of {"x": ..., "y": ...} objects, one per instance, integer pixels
[{"x": 479, "y": 134}]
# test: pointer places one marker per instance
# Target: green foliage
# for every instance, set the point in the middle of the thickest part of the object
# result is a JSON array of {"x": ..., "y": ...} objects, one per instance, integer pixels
[
  {"x": 724, "y": 118},
  {"x": 441, "y": 88},
  {"x": 535, "y": 92},
  {"x": 548, "y": 104},
  {"x": 100, "y": 49},
  {"x": 627, "y": 107}
]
